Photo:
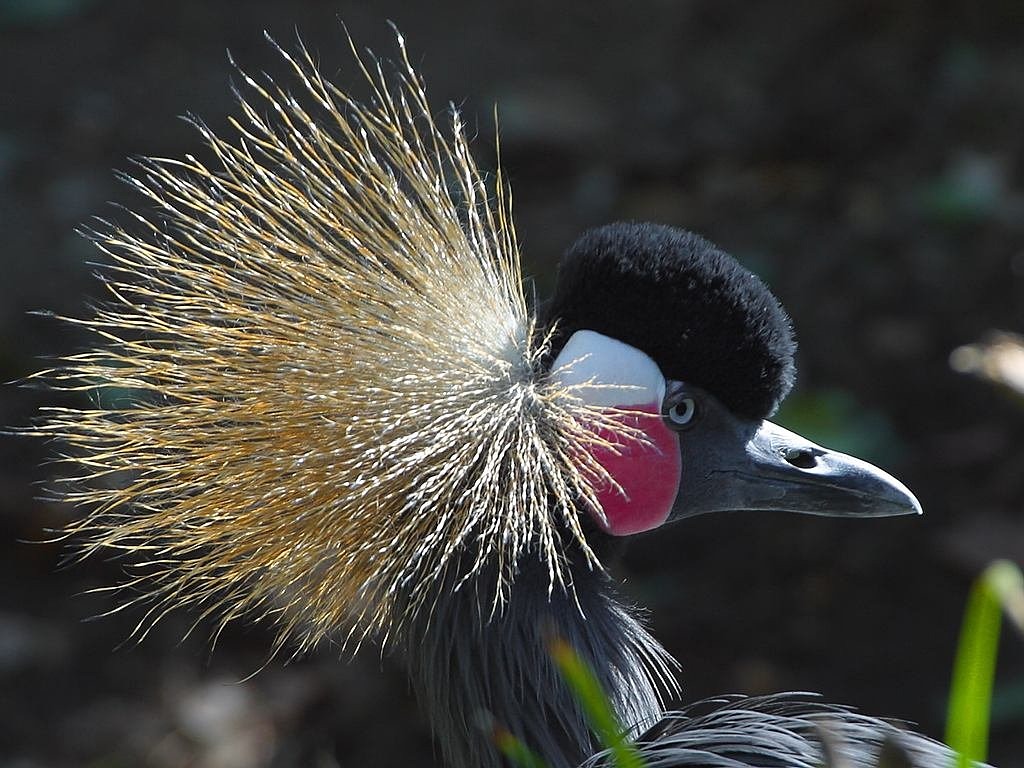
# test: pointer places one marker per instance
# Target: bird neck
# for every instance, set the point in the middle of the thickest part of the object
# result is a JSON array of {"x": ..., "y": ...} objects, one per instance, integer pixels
[{"x": 478, "y": 674}]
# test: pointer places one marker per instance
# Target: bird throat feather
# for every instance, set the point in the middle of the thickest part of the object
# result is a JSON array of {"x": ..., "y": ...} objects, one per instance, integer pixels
[{"x": 317, "y": 374}]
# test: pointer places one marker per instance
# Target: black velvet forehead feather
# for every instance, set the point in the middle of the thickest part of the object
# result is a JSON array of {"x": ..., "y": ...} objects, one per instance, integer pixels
[{"x": 694, "y": 309}]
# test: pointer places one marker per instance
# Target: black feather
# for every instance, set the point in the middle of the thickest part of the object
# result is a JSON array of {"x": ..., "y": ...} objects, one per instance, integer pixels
[{"x": 703, "y": 317}]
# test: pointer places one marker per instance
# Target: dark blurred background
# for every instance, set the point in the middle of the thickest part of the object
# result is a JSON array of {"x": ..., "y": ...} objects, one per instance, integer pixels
[{"x": 866, "y": 158}]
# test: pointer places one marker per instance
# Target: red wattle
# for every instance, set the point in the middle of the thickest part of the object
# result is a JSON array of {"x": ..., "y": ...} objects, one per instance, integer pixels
[{"x": 647, "y": 471}]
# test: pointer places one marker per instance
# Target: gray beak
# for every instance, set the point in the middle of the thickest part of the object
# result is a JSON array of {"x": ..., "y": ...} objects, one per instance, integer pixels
[{"x": 732, "y": 464}]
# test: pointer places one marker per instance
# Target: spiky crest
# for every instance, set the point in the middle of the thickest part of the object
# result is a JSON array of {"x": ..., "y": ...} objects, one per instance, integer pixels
[{"x": 334, "y": 385}]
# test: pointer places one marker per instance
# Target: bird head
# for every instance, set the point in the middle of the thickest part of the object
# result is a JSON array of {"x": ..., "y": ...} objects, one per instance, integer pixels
[
  {"x": 329, "y": 402},
  {"x": 692, "y": 353}
]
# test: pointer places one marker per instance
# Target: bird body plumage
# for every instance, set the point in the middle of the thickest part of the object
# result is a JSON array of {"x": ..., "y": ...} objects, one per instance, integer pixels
[
  {"x": 332, "y": 407},
  {"x": 474, "y": 674}
]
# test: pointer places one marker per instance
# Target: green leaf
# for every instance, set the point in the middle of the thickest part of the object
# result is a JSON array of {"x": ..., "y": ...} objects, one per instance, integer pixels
[
  {"x": 517, "y": 753},
  {"x": 596, "y": 706},
  {"x": 970, "y": 699}
]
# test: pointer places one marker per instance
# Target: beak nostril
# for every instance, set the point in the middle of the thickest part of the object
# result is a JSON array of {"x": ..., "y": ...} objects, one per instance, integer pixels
[{"x": 803, "y": 458}]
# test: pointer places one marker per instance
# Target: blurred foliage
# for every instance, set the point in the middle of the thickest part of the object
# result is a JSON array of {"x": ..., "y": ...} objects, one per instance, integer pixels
[
  {"x": 40, "y": 12},
  {"x": 517, "y": 753},
  {"x": 596, "y": 706},
  {"x": 972, "y": 189},
  {"x": 997, "y": 357},
  {"x": 1008, "y": 703},
  {"x": 1000, "y": 588}
]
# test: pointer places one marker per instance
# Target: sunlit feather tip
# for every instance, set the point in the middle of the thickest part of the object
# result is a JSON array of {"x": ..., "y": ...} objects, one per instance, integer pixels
[{"x": 318, "y": 375}]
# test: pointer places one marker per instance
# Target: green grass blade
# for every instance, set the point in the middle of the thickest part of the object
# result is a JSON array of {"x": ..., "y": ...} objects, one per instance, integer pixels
[
  {"x": 970, "y": 698},
  {"x": 596, "y": 705},
  {"x": 517, "y": 753}
]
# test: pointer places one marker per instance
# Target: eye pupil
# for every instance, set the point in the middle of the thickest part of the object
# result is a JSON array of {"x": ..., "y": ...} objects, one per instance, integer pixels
[{"x": 682, "y": 412}]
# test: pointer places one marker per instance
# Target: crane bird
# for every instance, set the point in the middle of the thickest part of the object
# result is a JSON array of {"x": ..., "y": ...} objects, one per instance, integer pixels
[{"x": 322, "y": 398}]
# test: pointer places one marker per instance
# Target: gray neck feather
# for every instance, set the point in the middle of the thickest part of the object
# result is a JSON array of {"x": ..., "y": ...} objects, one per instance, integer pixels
[{"x": 474, "y": 672}]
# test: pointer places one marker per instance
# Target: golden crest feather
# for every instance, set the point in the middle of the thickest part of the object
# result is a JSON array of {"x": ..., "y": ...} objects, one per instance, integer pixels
[{"x": 326, "y": 378}]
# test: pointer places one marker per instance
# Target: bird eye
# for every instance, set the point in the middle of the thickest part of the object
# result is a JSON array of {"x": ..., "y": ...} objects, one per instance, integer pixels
[{"x": 682, "y": 413}]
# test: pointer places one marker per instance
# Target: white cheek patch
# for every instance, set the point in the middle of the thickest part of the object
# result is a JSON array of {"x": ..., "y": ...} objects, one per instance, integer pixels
[{"x": 607, "y": 372}]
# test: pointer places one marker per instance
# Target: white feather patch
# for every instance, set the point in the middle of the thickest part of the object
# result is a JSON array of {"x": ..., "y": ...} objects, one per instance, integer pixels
[{"x": 607, "y": 372}]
